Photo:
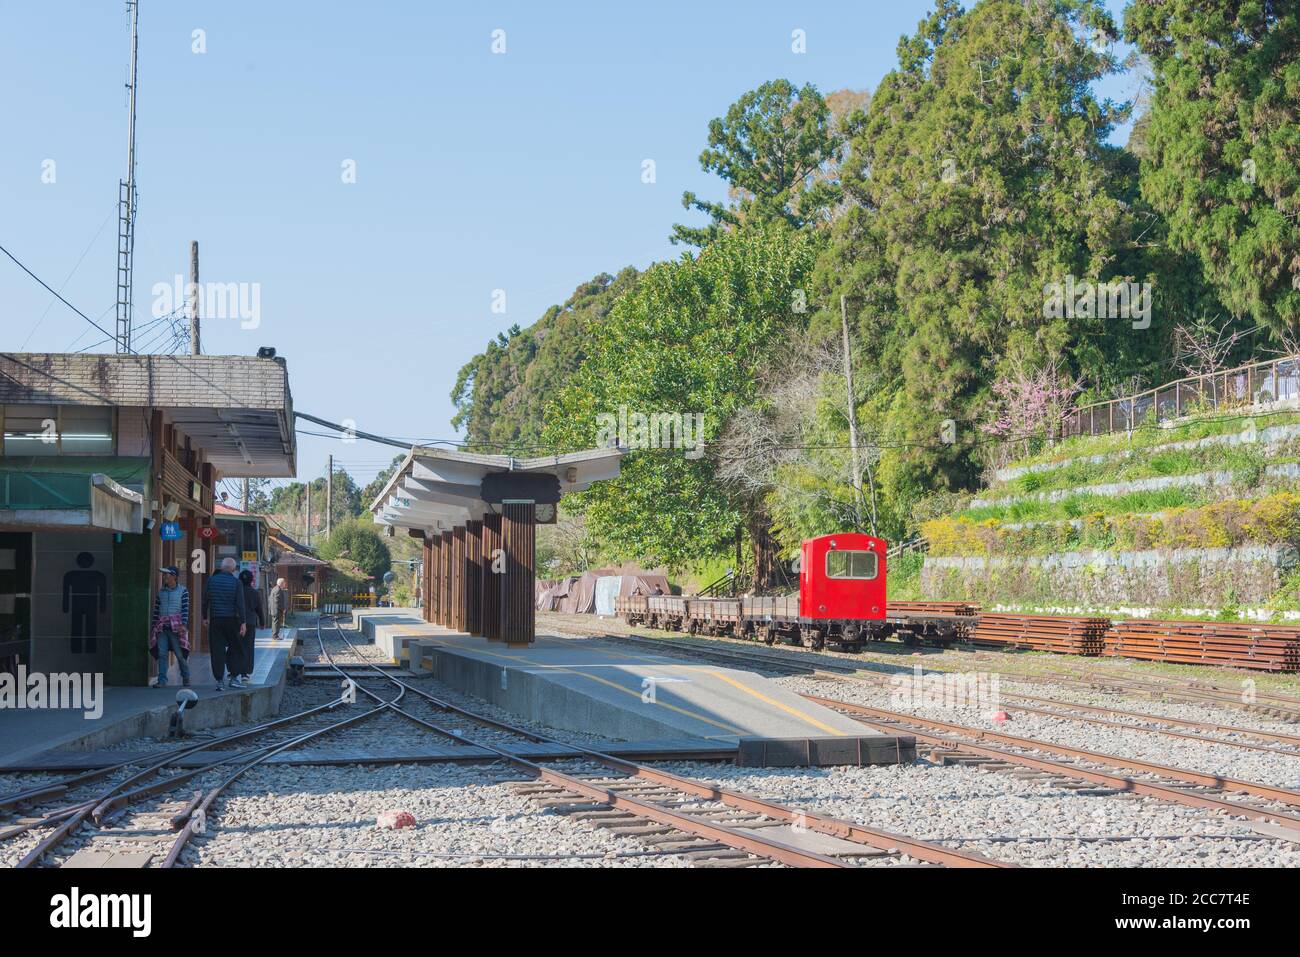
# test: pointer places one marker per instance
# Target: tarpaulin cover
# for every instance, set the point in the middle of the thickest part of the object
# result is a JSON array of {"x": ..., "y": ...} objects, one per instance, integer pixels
[
  {"x": 553, "y": 597},
  {"x": 609, "y": 587},
  {"x": 581, "y": 599}
]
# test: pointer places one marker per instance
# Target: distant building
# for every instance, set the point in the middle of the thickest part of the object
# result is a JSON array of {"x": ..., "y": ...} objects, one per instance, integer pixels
[
  {"x": 107, "y": 471},
  {"x": 304, "y": 574}
]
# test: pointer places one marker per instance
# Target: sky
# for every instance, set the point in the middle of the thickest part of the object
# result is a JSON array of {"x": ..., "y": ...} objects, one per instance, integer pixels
[{"x": 375, "y": 174}]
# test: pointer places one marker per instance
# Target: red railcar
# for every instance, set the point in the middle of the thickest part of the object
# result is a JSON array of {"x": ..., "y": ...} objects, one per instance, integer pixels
[
  {"x": 842, "y": 578},
  {"x": 841, "y": 601}
]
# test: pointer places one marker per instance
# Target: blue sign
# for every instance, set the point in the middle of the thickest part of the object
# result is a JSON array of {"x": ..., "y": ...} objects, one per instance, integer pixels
[{"x": 171, "y": 531}]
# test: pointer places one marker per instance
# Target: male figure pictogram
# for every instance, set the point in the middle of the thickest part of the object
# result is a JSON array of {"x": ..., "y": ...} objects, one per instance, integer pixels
[{"x": 85, "y": 595}]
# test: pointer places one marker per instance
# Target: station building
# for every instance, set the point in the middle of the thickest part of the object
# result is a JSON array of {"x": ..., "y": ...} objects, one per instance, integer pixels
[{"x": 108, "y": 471}]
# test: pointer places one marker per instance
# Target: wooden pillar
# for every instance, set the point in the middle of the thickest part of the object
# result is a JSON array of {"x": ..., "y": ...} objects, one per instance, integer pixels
[
  {"x": 444, "y": 590},
  {"x": 426, "y": 596},
  {"x": 435, "y": 577},
  {"x": 490, "y": 586},
  {"x": 473, "y": 576},
  {"x": 519, "y": 536},
  {"x": 458, "y": 576}
]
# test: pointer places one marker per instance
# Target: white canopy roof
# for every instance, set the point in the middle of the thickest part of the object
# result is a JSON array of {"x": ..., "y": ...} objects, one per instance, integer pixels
[{"x": 435, "y": 490}]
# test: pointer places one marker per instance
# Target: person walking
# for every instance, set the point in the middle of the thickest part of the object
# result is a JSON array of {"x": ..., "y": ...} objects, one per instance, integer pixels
[
  {"x": 278, "y": 607},
  {"x": 169, "y": 631},
  {"x": 225, "y": 616},
  {"x": 253, "y": 608}
]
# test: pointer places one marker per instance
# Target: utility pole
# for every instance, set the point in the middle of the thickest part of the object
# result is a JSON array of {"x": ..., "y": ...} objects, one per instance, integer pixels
[
  {"x": 126, "y": 205},
  {"x": 244, "y": 497},
  {"x": 307, "y": 527},
  {"x": 194, "y": 303},
  {"x": 329, "y": 499},
  {"x": 853, "y": 413}
]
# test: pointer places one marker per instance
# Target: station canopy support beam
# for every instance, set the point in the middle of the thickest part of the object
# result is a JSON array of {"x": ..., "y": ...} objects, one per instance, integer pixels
[{"x": 479, "y": 515}]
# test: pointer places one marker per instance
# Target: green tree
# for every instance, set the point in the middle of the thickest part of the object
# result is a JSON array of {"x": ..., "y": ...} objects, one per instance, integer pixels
[
  {"x": 359, "y": 543},
  {"x": 983, "y": 173},
  {"x": 501, "y": 394},
  {"x": 769, "y": 147},
  {"x": 689, "y": 339},
  {"x": 376, "y": 485},
  {"x": 1221, "y": 149}
]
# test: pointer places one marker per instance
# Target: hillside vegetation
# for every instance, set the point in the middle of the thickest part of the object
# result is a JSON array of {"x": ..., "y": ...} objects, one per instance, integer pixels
[{"x": 932, "y": 226}]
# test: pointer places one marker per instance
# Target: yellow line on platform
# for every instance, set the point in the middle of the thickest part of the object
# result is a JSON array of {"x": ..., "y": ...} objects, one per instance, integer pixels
[{"x": 803, "y": 716}]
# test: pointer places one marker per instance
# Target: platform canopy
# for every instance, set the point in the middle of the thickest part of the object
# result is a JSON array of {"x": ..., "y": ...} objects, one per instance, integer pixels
[{"x": 435, "y": 490}]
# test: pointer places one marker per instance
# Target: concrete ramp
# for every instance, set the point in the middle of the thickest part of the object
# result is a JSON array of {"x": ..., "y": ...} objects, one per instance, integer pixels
[{"x": 603, "y": 689}]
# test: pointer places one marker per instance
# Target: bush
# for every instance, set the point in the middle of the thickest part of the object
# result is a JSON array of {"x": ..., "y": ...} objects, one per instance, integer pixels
[
  {"x": 360, "y": 544},
  {"x": 1271, "y": 520}
]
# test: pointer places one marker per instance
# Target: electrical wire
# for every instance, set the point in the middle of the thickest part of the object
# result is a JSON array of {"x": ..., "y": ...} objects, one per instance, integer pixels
[{"x": 54, "y": 292}]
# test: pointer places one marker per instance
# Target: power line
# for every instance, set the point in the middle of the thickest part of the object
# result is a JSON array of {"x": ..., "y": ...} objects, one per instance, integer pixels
[
  {"x": 68, "y": 278},
  {"x": 56, "y": 294}
]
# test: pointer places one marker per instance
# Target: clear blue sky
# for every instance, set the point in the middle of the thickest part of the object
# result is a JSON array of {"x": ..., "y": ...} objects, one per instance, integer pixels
[{"x": 475, "y": 171}]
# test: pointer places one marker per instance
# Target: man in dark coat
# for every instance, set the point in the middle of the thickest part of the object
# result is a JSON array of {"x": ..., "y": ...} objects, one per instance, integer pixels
[
  {"x": 253, "y": 607},
  {"x": 225, "y": 616}
]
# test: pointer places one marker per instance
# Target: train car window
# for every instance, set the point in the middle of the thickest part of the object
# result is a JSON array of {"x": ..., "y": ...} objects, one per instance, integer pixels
[{"x": 852, "y": 564}]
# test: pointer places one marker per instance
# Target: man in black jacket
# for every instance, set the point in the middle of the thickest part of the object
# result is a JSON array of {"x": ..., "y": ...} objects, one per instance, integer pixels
[
  {"x": 226, "y": 618},
  {"x": 253, "y": 609}
]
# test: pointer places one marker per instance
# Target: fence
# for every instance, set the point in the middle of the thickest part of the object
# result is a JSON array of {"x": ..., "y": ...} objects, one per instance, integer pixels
[
  {"x": 1258, "y": 383},
  {"x": 305, "y": 601}
]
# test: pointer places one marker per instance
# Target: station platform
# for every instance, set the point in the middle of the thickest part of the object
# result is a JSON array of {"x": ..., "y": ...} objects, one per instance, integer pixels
[
  {"x": 600, "y": 688},
  {"x": 134, "y": 712}
]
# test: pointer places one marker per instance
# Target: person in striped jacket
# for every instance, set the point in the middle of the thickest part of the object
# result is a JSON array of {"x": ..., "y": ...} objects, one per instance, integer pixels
[{"x": 169, "y": 626}]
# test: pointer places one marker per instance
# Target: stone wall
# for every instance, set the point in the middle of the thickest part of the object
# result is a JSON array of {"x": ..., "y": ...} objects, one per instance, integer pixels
[{"x": 1177, "y": 578}]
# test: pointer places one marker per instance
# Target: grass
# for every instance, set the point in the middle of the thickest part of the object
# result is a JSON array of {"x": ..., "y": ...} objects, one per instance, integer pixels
[
  {"x": 903, "y": 583},
  {"x": 1077, "y": 506},
  {"x": 1150, "y": 435},
  {"x": 1246, "y": 462}
]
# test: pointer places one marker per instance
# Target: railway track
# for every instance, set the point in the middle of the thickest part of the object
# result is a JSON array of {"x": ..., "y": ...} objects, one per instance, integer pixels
[
  {"x": 1281, "y": 707},
  {"x": 108, "y": 819},
  {"x": 1076, "y": 768},
  {"x": 956, "y": 743},
  {"x": 1278, "y": 742},
  {"x": 683, "y": 815}
]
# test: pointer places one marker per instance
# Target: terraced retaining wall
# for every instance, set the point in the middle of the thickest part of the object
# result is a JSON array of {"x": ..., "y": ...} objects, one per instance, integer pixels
[{"x": 1156, "y": 578}]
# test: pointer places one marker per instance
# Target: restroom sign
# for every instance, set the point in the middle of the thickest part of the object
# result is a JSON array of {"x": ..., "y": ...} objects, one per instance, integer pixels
[{"x": 170, "y": 531}]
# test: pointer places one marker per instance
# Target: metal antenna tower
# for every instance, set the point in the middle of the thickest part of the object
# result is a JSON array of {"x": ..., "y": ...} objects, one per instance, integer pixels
[{"x": 126, "y": 199}]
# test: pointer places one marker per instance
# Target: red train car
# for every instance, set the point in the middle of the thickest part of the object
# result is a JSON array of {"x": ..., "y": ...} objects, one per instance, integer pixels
[
  {"x": 841, "y": 602},
  {"x": 842, "y": 578}
]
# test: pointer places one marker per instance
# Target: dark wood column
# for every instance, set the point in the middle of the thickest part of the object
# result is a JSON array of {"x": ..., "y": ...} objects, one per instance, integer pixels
[
  {"x": 426, "y": 605},
  {"x": 435, "y": 581},
  {"x": 473, "y": 577},
  {"x": 458, "y": 578},
  {"x": 490, "y": 586},
  {"x": 519, "y": 536},
  {"x": 444, "y": 588}
]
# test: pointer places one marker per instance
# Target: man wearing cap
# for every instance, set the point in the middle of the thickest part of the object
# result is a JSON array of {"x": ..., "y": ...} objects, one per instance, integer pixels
[{"x": 169, "y": 626}]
